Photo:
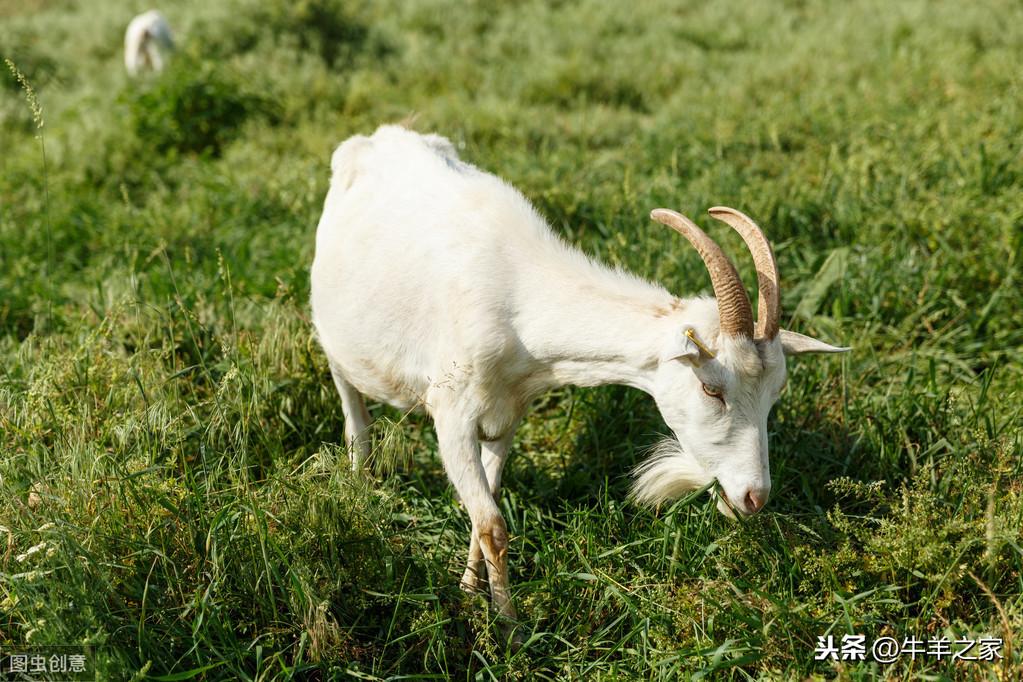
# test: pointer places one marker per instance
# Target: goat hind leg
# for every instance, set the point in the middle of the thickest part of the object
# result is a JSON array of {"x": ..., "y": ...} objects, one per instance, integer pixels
[{"x": 356, "y": 418}]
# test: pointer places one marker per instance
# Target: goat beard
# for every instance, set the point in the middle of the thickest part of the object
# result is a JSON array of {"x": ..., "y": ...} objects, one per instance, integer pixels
[{"x": 667, "y": 474}]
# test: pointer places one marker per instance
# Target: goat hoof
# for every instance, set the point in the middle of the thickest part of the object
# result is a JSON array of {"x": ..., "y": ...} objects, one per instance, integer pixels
[
  {"x": 513, "y": 634},
  {"x": 473, "y": 583}
]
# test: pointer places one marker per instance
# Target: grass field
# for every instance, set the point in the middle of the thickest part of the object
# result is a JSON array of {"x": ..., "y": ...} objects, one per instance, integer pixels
[{"x": 173, "y": 489}]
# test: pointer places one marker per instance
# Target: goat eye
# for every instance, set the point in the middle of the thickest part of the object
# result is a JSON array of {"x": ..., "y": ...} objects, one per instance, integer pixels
[{"x": 714, "y": 392}]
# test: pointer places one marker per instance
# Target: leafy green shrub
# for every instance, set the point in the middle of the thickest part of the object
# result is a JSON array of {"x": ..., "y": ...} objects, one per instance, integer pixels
[
  {"x": 327, "y": 28},
  {"x": 575, "y": 86},
  {"x": 16, "y": 316},
  {"x": 195, "y": 108},
  {"x": 37, "y": 67},
  {"x": 324, "y": 26}
]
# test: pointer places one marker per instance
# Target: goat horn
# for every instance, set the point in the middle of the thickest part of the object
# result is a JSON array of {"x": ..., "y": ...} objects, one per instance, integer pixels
[
  {"x": 769, "y": 303},
  {"x": 734, "y": 309}
]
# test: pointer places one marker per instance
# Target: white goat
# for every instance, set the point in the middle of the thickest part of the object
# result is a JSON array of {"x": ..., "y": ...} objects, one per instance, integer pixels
[
  {"x": 147, "y": 43},
  {"x": 436, "y": 284}
]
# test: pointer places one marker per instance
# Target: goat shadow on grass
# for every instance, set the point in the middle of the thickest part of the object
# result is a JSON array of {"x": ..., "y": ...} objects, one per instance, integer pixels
[{"x": 618, "y": 426}]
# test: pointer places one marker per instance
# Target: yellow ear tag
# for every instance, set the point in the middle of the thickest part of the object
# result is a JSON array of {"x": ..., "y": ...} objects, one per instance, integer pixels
[{"x": 704, "y": 349}]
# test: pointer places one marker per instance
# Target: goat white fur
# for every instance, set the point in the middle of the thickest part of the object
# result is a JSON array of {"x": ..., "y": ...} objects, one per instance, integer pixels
[
  {"x": 438, "y": 285},
  {"x": 147, "y": 43}
]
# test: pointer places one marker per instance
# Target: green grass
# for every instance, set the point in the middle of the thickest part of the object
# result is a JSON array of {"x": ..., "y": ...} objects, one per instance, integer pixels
[{"x": 169, "y": 435}]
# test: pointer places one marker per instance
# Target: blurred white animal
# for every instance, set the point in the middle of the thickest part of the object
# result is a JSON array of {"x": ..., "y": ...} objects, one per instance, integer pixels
[
  {"x": 147, "y": 43},
  {"x": 437, "y": 284}
]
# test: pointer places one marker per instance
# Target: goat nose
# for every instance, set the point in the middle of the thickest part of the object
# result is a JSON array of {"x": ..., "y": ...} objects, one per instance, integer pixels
[{"x": 755, "y": 500}]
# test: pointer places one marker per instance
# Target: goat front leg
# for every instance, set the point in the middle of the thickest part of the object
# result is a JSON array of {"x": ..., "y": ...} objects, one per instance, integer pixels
[
  {"x": 494, "y": 454},
  {"x": 460, "y": 452}
]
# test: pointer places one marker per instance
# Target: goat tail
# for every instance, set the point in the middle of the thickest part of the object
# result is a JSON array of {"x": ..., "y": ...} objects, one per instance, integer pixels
[
  {"x": 344, "y": 163},
  {"x": 669, "y": 473}
]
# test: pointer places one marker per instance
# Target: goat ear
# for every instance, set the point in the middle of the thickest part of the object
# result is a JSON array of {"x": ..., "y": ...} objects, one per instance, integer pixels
[
  {"x": 680, "y": 346},
  {"x": 794, "y": 343}
]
